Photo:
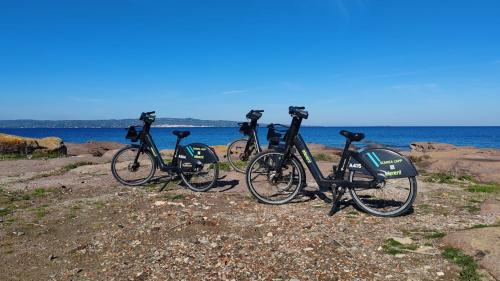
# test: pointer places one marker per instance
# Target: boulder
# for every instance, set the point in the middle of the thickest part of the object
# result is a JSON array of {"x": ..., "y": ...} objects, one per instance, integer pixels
[
  {"x": 22, "y": 145},
  {"x": 95, "y": 148},
  {"x": 431, "y": 146},
  {"x": 483, "y": 164},
  {"x": 490, "y": 207},
  {"x": 481, "y": 243}
]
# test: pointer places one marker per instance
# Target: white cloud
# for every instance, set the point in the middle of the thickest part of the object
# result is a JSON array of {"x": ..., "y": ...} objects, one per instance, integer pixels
[
  {"x": 234, "y": 92},
  {"x": 85, "y": 100},
  {"x": 416, "y": 88}
]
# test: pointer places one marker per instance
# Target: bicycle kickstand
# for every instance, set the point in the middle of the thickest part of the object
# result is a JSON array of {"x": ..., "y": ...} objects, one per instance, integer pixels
[{"x": 337, "y": 195}]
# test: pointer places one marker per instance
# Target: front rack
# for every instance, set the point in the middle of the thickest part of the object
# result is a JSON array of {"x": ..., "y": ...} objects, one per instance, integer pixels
[{"x": 134, "y": 133}]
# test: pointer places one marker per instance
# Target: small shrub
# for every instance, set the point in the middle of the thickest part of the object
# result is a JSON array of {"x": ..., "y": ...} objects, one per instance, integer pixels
[
  {"x": 5, "y": 211},
  {"x": 40, "y": 192},
  {"x": 440, "y": 178},
  {"x": 484, "y": 188},
  {"x": 224, "y": 166},
  {"x": 435, "y": 235},
  {"x": 37, "y": 154},
  {"x": 76, "y": 165},
  {"x": 393, "y": 247},
  {"x": 472, "y": 208},
  {"x": 479, "y": 226},
  {"x": 41, "y": 211},
  {"x": 467, "y": 264},
  {"x": 11, "y": 156},
  {"x": 467, "y": 178},
  {"x": 324, "y": 157},
  {"x": 173, "y": 197}
]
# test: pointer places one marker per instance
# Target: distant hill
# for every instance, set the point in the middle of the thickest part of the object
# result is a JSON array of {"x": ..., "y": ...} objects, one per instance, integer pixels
[{"x": 114, "y": 123}]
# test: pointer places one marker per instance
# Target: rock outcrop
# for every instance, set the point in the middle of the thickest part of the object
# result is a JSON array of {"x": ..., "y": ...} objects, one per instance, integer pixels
[
  {"x": 483, "y": 164},
  {"x": 94, "y": 148},
  {"x": 481, "y": 243},
  {"x": 10, "y": 144}
]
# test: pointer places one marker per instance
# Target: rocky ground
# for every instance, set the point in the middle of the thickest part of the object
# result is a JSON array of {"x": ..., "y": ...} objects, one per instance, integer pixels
[{"x": 68, "y": 219}]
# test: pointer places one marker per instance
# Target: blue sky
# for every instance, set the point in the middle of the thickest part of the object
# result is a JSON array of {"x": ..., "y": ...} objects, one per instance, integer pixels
[{"x": 350, "y": 62}]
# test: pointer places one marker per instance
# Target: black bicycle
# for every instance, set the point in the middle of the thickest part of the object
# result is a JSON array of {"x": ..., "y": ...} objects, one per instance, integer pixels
[
  {"x": 381, "y": 181},
  {"x": 196, "y": 163},
  {"x": 240, "y": 151}
]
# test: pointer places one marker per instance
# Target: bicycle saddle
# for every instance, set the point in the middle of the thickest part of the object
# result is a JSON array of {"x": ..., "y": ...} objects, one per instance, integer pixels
[
  {"x": 352, "y": 136},
  {"x": 181, "y": 134}
]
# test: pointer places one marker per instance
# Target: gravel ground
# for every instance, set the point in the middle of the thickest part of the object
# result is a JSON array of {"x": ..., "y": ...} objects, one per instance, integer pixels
[{"x": 58, "y": 223}]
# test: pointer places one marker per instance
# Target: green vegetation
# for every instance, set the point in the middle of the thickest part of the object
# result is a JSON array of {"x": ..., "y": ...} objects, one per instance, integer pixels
[
  {"x": 472, "y": 208},
  {"x": 425, "y": 208},
  {"x": 435, "y": 235},
  {"x": 41, "y": 211},
  {"x": 467, "y": 181},
  {"x": 480, "y": 226},
  {"x": 486, "y": 225},
  {"x": 73, "y": 210},
  {"x": 37, "y": 154},
  {"x": 224, "y": 166},
  {"x": 40, "y": 192},
  {"x": 321, "y": 156},
  {"x": 467, "y": 178},
  {"x": 485, "y": 188},
  {"x": 440, "y": 178},
  {"x": 173, "y": 197},
  {"x": 352, "y": 214},
  {"x": 418, "y": 159},
  {"x": 75, "y": 165},
  {"x": 99, "y": 204},
  {"x": 466, "y": 263},
  {"x": 393, "y": 247},
  {"x": 11, "y": 156},
  {"x": 11, "y": 201}
]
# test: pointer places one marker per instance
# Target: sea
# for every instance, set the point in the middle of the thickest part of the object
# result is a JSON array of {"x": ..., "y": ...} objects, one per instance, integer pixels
[{"x": 395, "y": 137}]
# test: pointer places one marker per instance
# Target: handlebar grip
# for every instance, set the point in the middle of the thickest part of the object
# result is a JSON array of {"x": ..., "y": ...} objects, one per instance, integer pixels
[{"x": 291, "y": 109}]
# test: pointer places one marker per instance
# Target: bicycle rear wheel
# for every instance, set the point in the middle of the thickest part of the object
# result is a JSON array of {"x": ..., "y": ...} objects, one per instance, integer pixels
[
  {"x": 267, "y": 185},
  {"x": 395, "y": 197},
  {"x": 199, "y": 178},
  {"x": 130, "y": 166},
  {"x": 237, "y": 157}
]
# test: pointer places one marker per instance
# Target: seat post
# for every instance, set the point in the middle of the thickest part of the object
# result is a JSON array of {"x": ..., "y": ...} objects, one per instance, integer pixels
[{"x": 343, "y": 160}]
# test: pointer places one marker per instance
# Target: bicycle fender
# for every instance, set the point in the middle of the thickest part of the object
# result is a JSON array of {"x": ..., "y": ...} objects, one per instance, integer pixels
[
  {"x": 383, "y": 161},
  {"x": 198, "y": 152}
]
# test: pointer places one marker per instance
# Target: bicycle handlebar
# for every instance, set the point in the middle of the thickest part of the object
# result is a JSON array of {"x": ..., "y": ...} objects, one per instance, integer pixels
[
  {"x": 254, "y": 114},
  {"x": 298, "y": 111},
  {"x": 148, "y": 116}
]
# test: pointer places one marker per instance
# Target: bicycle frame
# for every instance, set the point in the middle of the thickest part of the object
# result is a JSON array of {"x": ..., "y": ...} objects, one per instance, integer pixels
[
  {"x": 147, "y": 143},
  {"x": 339, "y": 177},
  {"x": 294, "y": 139},
  {"x": 253, "y": 138}
]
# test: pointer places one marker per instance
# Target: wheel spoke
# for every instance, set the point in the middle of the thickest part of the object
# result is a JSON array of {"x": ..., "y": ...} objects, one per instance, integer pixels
[{"x": 269, "y": 185}]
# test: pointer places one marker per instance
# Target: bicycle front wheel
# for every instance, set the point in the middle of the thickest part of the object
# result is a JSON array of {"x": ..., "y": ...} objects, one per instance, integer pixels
[
  {"x": 131, "y": 166},
  {"x": 395, "y": 197},
  {"x": 268, "y": 184},
  {"x": 238, "y": 156},
  {"x": 200, "y": 177}
]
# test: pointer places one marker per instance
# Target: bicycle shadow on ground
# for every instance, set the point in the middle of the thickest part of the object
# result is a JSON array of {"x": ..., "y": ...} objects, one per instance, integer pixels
[
  {"x": 309, "y": 195},
  {"x": 225, "y": 185}
]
